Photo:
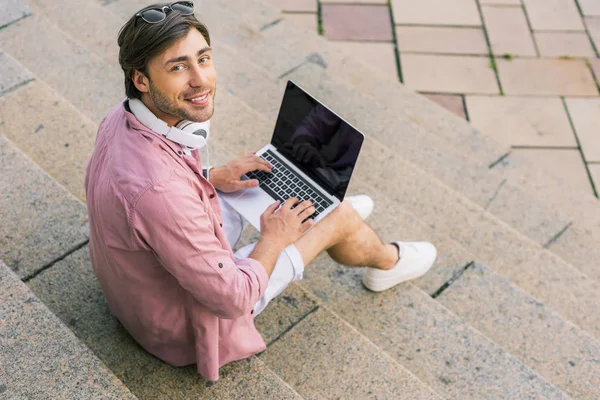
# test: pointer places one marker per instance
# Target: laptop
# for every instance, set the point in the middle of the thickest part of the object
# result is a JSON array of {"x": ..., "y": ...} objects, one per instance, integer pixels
[{"x": 313, "y": 152}]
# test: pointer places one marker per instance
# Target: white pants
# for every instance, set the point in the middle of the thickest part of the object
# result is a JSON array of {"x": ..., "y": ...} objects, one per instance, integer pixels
[{"x": 289, "y": 266}]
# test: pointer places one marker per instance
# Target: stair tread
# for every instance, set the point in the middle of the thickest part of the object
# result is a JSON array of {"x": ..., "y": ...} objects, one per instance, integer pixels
[
  {"x": 556, "y": 349},
  {"x": 41, "y": 221},
  {"x": 12, "y": 74},
  {"x": 51, "y": 131},
  {"x": 40, "y": 357},
  {"x": 87, "y": 81},
  {"x": 323, "y": 357}
]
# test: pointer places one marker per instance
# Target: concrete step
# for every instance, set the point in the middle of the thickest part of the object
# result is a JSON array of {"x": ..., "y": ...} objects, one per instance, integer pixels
[
  {"x": 86, "y": 80},
  {"x": 549, "y": 278},
  {"x": 51, "y": 131},
  {"x": 41, "y": 221},
  {"x": 70, "y": 290},
  {"x": 324, "y": 357},
  {"x": 41, "y": 358},
  {"x": 556, "y": 349}
]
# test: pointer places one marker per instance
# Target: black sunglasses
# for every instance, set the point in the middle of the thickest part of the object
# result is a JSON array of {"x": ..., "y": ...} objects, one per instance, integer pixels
[{"x": 158, "y": 14}]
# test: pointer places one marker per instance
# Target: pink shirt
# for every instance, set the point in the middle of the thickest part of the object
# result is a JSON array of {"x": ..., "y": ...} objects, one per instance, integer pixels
[{"x": 160, "y": 253}]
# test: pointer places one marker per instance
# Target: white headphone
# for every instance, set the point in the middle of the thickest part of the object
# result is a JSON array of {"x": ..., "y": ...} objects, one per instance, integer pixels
[{"x": 192, "y": 135}]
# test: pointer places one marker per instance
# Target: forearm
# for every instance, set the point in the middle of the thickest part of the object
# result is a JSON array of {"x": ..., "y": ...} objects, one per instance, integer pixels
[{"x": 267, "y": 252}]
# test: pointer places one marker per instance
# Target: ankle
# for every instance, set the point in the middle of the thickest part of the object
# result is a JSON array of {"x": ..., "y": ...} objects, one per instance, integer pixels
[{"x": 391, "y": 258}]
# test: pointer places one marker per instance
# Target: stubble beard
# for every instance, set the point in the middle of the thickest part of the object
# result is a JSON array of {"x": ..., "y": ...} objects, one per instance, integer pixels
[{"x": 164, "y": 104}]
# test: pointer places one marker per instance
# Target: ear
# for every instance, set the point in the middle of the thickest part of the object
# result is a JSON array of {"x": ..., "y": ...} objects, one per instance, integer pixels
[{"x": 140, "y": 81}]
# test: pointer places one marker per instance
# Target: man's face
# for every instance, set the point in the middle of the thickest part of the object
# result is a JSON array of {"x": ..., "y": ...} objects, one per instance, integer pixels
[{"x": 182, "y": 81}]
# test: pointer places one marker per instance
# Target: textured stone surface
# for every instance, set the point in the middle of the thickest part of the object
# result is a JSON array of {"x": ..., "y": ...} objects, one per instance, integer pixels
[
  {"x": 448, "y": 74},
  {"x": 295, "y": 5},
  {"x": 593, "y": 26},
  {"x": 72, "y": 292},
  {"x": 12, "y": 74},
  {"x": 508, "y": 31},
  {"x": 521, "y": 121},
  {"x": 589, "y": 7},
  {"x": 557, "y": 44},
  {"x": 284, "y": 311},
  {"x": 595, "y": 67},
  {"x": 501, "y": 2},
  {"x": 40, "y": 357},
  {"x": 553, "y": 15},
  {"x": 425, "y": 39},
  {"x": 379, "y": 55},
  {"x": 50, "y": 131},
  {"x": 88, "y": 22},
  {"x": 333, "y": 361},
  {"x": 87, "y": 81},
  {"x": 585, "y": 114},
  {"x": 440, "y": 349},
  {"x": 546, "y": 77},
  {"x": 579, "y": 243},
  {"x": 436, "y": 12},
  {"x": 356, "y": 22},
  {"x": 450, "y": 102},
  {"x": 556, "y": 349},
  {"x": 41, "y": 221},
  {"x": 13, "y": 10},
  {"x": 308, "y": 21},
  {"x": 565, "y": 164},
  {"x": 595, "y": 171}
]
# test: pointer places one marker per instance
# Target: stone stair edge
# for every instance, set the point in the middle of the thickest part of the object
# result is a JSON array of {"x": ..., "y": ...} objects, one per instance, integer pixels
[{"x": 80, "y": 372}]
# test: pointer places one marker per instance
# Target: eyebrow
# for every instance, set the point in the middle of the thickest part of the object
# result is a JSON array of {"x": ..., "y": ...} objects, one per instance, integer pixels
[{"x": 186, "y": 58}]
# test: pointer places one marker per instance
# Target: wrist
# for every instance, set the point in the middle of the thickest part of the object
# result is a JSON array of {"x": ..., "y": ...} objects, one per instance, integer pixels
[{"x": 273, "y": 242}]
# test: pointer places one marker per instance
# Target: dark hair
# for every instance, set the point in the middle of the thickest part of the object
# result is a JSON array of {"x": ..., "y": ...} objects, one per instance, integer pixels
[{"x": 139, "y": 41}]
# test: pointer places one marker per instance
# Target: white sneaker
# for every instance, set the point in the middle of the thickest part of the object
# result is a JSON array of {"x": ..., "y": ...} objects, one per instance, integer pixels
[
  {"x": 416, "y": 258},
  {"x": 362, "y": 204}
]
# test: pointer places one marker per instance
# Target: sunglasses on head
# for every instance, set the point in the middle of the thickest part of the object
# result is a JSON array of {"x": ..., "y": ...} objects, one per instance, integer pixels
[{"x": 157, "y": 14}]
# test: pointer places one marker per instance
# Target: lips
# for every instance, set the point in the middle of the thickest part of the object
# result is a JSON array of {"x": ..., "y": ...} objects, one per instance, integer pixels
[{"x": 199, "y": 99}]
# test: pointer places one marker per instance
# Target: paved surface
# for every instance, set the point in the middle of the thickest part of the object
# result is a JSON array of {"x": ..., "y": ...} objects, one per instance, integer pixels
[{"x": 525, "y": 72}]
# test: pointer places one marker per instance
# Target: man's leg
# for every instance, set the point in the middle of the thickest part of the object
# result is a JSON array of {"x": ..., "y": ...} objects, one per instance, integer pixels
[{"x": 348, "y": 240}]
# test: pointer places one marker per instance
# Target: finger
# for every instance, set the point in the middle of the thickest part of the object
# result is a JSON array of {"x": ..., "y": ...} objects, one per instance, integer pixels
[
  {"x": 307, "y": 212},
  {"x": 247, "y": 184},
  {"x": 271, "y": 209},
  {"x": 290, "y": 203},
  {"x": 263, "y": 162},
  {"x": 306, "y": 224},
  {"x": 303, "y": 205}
]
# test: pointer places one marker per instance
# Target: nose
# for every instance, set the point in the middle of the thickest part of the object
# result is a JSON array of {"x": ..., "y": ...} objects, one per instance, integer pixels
[{"x": 199, "y": 76}]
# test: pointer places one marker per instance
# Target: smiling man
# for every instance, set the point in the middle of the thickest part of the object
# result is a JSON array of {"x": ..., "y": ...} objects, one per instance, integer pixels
[{"x": 161, "y": 241}]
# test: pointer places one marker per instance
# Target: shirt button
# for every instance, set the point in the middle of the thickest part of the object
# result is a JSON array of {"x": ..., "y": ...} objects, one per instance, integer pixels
[
  {"x": 252, "y": 312},
  {"x": 179, "y": 152},
  {"x": 212, "y": 196},
  {"x": 220, "y": 265},
  {"x": 221, "y": 225}
]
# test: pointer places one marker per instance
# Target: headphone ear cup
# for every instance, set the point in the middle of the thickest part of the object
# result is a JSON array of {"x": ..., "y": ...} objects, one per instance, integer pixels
[{"x": 196, "y": 128}]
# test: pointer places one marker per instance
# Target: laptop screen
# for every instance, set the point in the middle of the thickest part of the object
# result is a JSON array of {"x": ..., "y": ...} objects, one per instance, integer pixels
[{"x": 316, "y": 140}]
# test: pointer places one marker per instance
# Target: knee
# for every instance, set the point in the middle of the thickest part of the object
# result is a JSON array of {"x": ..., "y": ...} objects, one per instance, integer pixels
[{"x": 348, "y": 216}]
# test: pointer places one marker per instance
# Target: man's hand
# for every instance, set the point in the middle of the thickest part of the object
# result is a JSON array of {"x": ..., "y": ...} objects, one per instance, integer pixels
[
  {"x": 228, "y": 177},
  {"x": 284, "y": 226},
  {"x": 280, "y": 228}
]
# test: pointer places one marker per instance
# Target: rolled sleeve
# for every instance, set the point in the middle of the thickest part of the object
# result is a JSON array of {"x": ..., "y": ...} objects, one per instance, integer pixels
[{"x": 172, "y": 221}]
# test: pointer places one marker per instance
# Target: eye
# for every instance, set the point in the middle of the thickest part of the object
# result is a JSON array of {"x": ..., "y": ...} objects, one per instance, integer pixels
[
  {"x": 204, "y": 59},
  {"x": 178, "y": 67}
]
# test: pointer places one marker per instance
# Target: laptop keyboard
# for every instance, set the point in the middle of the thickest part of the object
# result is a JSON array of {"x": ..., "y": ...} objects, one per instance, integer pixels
[{"x": 283, "y": 183}]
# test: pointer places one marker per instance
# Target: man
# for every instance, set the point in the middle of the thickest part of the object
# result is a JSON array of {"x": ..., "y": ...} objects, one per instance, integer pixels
[{"x": 160, "y": 241}]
